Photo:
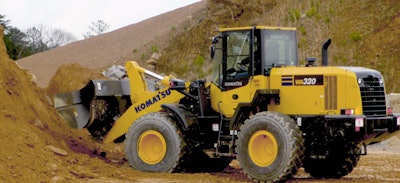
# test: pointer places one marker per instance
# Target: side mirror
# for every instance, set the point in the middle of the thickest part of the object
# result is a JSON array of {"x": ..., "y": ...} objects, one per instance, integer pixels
[
  {"x": 212, "y": 51},
  {"x": 214, "y": 40}
]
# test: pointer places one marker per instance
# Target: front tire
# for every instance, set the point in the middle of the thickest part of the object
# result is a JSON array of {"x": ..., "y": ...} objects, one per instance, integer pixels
[
  {"x": 270, "y": 147},
  {"x": 155, "y": 144}
]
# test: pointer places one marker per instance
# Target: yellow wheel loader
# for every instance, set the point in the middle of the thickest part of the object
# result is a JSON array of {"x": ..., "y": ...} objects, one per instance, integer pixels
[{"x": 262, "y": 108}]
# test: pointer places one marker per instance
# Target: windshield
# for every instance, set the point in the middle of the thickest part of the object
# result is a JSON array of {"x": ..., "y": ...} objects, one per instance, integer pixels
[{"x": 279, "y": 48}]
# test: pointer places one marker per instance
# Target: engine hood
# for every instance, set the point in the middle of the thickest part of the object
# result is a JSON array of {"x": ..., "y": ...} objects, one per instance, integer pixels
[{"x": 363, "y": 72}]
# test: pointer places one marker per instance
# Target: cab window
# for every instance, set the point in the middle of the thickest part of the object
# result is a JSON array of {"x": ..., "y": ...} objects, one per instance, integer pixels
[
  {"x": 279, "y": 48},
  {"x": 238, "y": 56}
]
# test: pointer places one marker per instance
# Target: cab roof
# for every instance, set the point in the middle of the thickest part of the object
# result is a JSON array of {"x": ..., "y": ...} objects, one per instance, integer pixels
[{"x": 256, "y": 27}]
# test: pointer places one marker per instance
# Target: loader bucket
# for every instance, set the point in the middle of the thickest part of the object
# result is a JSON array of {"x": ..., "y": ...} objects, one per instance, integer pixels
[
  {"x": 75, "y": 107},
  {"x": 70, "y": 108}
]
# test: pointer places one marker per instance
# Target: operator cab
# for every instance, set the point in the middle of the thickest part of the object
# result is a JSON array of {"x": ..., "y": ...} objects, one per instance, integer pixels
[{"x": 240, "y": 53}]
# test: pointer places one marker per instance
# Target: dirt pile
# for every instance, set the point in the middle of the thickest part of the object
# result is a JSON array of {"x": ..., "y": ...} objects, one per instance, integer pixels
[
  {"x": 36, "y": 144},
  {"x": 69, "y": 77},
  {"x": 25, "y": 125}
]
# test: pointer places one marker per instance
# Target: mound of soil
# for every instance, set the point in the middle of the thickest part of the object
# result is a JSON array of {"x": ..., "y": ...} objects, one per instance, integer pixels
[
  {"x": 36, "y": 144},
  {"x": 69, "y": 77}
]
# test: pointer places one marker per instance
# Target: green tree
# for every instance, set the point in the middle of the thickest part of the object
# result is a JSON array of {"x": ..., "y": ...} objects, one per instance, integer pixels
[
  {"x": 36, "y": 39},
  {"x": 13, "y": 39},
  {"x": 3, "y": 22},
  {"x": 16, "y": 45}
]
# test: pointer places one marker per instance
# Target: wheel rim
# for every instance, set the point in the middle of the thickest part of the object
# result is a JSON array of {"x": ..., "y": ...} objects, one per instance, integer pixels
[
  {"x": 263, "y": 148},
  {"x": 152, "y": 147}
]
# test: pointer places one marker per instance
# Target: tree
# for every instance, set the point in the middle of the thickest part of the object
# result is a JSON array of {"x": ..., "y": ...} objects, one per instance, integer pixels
[
  {"x": 13, "y": 39},
  {"x": 16, "y": 44},
  {"x": 35, "y": 39},
  {"x": 4, "y": 22},
  {"x": 57, "y": 37},
  {"x": 97, "y": 28},
  {"x": 41, "y": 38}
]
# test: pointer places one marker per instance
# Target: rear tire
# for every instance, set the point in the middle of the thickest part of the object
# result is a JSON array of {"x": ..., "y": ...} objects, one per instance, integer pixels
[
  {"x": 337, "y": 164},
  {"x": 155, "y": 144},
  {"x": 270, "y": 147}
]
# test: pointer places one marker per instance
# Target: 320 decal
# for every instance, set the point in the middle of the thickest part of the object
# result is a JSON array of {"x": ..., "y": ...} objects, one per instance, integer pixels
[{"x": 306, "y": 80}]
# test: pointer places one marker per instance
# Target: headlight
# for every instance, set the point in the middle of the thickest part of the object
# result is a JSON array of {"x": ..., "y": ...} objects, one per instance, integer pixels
[
  {"x": 359, "y": 81},
  {"x": 381, "y": 81}
]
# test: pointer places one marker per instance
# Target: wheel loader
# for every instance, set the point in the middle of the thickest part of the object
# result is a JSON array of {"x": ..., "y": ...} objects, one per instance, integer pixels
[{"x": 261, "y": 107}]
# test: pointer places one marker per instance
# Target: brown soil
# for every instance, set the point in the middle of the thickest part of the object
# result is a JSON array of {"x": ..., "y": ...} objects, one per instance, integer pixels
[{"x": 70, "y": 77}]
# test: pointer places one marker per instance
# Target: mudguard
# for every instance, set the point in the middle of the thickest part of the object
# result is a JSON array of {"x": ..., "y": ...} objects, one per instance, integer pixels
[{"x": 179, "y": 114}]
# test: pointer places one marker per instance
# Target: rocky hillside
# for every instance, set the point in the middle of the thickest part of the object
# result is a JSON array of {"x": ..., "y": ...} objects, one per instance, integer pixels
[{"x": 363, "y": 33}]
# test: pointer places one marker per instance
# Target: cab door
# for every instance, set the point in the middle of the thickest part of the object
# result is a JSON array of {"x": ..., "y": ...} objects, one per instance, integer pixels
[{"x": 233, "y": 67}]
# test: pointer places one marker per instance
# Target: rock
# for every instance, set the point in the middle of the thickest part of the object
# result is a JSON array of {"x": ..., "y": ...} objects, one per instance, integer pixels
[
  {"x": 40, "y": 124},
  {"x": 52, "y": 166},
  {"x": 152, "y": 62},
  {"x": 57, "y": 179},
  {"x": 116, "y": 72},
  {"x": 155, "y": 56},
  {"x": 57, "y": 150},
  {"x": 150, "y": 67}
]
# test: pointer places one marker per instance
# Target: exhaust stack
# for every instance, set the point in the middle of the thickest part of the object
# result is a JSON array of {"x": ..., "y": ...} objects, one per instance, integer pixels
[{"x": 325, "y": 52}]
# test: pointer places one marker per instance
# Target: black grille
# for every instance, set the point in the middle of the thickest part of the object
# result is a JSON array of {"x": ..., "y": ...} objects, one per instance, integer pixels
[{"x": 373, "y": 97}]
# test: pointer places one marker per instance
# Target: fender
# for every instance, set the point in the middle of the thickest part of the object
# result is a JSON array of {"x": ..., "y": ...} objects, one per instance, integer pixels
[
  {"x": 179, "y": 113},
  {"x": 261, "y": 99}
]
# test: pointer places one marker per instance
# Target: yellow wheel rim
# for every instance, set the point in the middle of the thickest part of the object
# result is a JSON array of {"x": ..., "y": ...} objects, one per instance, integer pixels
[
  {"x": 263, "y": 148},
  {"x": 152, "y": 147}
]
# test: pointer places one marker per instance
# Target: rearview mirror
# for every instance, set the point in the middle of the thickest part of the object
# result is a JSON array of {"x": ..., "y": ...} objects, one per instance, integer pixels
[
  {"x": 212, "y": 51},
  {"x": 215, "y": 40}
]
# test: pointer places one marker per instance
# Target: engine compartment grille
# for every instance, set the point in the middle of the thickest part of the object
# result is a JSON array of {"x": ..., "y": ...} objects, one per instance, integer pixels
[{"x": 373, "y": 97}]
